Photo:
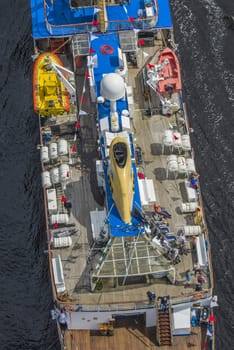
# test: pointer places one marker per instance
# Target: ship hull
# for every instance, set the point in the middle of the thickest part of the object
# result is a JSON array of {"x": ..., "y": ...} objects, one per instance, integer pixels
[{"x": 119, "y": 242}]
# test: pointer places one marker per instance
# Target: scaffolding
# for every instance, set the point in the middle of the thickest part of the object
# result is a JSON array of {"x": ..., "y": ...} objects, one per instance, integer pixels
[{"x": 126, "y": 257}]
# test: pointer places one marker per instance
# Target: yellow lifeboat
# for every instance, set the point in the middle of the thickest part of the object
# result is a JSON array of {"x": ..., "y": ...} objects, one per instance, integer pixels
[
  {"x": 50, "y": 97},
  {"x": 121, "y": 177}
]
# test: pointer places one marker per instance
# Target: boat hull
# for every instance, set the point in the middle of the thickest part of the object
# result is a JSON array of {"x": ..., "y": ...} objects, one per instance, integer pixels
[
  {"x": 50, "y": 97},
  {"x": 169, "y": 75}
]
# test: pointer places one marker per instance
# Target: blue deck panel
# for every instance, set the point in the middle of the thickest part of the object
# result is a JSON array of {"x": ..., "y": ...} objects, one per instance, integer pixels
[
  {"x": 164, "y": 15},
  {"x": 108, "y": 64},
  {"x": 117, "y": 227},
  {"x": 61, "y": 14},
  {"x": 39, "y": 29}
]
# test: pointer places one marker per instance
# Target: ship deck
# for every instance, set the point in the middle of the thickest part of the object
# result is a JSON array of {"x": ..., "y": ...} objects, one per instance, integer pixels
[
  {"x": 118, "y": 294},
  {"x": 79, "y": 260},
  {"x": 129, "y": 335},
  {"x": 104, "y": 281}
]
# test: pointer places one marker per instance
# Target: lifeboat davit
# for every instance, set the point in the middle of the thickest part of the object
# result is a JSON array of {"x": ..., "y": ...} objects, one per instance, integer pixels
[
  {"x": 121, "y": 177},
  {"x": 50, "y": 96},
  {"x": 169, "y": 75}
]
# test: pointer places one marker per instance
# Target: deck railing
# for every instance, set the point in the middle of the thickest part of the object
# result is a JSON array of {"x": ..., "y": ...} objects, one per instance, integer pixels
[
  {"x": 88, "y": 27},
  {"x": 137, "y": 305}
]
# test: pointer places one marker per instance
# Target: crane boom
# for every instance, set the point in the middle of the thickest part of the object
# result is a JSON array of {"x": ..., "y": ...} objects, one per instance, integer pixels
[{"x": 60, "y": 71}]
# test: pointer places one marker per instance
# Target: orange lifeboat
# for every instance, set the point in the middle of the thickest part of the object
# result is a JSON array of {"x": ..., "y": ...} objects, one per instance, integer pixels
[
  {"x": 50, "y": 96},
  {"x": 169, "y": 75}
]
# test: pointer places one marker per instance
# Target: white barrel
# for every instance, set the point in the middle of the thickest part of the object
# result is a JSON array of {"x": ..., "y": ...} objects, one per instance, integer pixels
[
  {"x": 172, "y": 164},
  {"x": 62, "y": 147},
  {"x": 186, "y": 145},
  {"x": 182, "y": 168},
  {"x": 171, "y": 158},
  {"x": 190, "y": 165},
  {"x": 168, "y": 138},
  {"x": 64, "y": 172},
  {"x": 59, "y": 218},
  {"x": 62, "y": 242},
  {"x": 45, "y": 154},
  {"x": 177, "y": 139},
  {"x": 53, "y": 150},
  {"x": 54, "y": 174},
  {"x": 45, "y": 178},
  {"x": 189, "y": 207},
  {"x": 191, "y": 230}
]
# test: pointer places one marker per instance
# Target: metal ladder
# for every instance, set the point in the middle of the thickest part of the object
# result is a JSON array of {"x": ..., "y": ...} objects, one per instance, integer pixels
[
  {"x": 164, "y": 327},
  {"x": 80, "y": 44}
]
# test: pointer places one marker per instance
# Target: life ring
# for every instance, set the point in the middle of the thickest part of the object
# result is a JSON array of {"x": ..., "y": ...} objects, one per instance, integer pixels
[{"x": 106, "y": 49}]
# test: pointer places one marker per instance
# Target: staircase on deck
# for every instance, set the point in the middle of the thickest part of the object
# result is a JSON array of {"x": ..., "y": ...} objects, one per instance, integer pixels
[{"x": 164, "y": 334}]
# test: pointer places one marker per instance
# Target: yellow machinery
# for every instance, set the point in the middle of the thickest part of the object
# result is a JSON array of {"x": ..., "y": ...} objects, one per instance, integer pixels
[
  {"x": 106, "y": 328},
  {"x": 49, "y": 93}
]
